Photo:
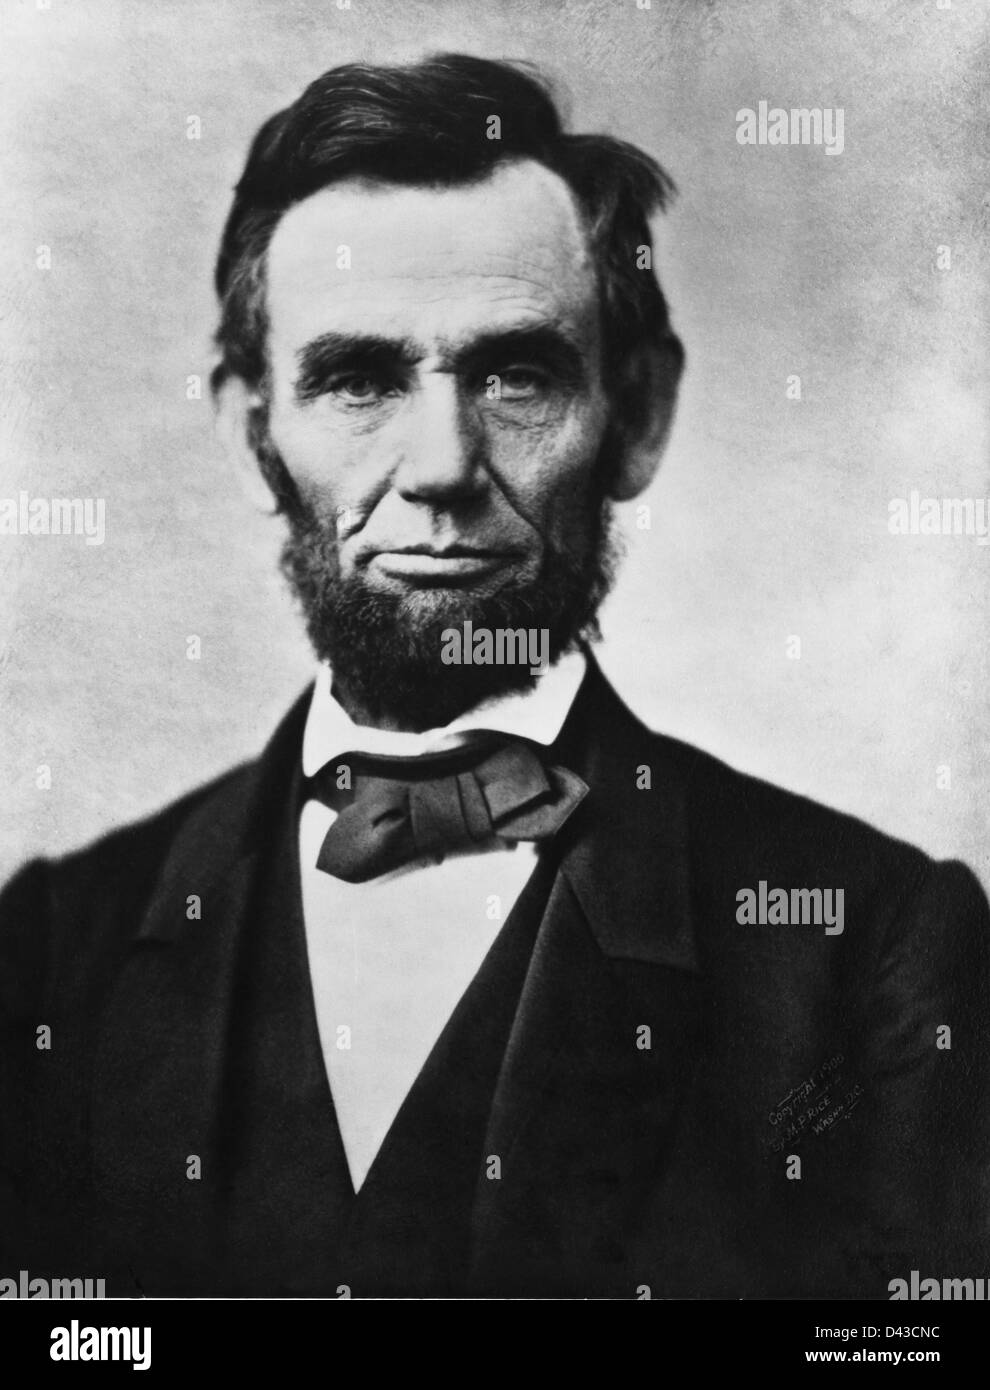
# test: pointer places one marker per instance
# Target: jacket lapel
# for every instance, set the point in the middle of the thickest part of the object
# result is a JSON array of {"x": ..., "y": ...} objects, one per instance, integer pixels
[
  {"x": 162, "y": 1050},
  {"x": 605, "y": 1037}
]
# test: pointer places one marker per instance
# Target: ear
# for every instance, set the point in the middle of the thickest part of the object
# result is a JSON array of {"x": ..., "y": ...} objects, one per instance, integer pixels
[
  {"x": 239, "y": 409},
  {"x": 643, "y": 414}
]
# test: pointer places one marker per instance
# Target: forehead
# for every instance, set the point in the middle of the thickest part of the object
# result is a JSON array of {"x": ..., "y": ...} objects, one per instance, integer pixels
[{"x": 436, "y": 266}]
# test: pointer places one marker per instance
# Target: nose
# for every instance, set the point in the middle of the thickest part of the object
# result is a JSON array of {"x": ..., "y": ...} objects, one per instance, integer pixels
[{"x": 443, "y": 448}]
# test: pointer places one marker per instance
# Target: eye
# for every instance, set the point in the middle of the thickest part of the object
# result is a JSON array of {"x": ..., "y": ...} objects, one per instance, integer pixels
[
  {"x": 358, "y": 388},
  {"x": 520, "y": 381}
]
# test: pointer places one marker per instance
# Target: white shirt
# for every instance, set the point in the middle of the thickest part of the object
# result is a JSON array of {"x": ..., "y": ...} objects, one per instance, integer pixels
[{"x": 390, "y": 959}]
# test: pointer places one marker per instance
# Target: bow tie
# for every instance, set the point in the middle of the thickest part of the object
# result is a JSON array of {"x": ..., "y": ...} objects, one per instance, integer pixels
[{"x": 395, "y": 811}]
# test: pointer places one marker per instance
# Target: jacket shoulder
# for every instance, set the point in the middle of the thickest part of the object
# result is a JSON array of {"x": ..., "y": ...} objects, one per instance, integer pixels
[
  {"x": 729, "y": 822},
  {"x": 127, "y": 851},
  {"x": 755, "y": 829},
  {"x": 93, "y": 893},
  {"x": 124, "y": 863},
  {"x": 730, "y": 803}
]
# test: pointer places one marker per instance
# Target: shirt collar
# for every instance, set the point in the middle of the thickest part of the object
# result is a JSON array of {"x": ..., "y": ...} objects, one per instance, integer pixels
[{"x": 537, "y": 715}]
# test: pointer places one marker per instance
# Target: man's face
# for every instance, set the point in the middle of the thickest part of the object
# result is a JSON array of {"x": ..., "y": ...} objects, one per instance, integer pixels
[{"x": 436, "y": 397}]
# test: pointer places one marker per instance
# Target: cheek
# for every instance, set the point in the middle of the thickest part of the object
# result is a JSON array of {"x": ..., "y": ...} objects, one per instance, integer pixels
[
  {"x": 551, "y": 472},
  {"x": 333, "y": 469}
]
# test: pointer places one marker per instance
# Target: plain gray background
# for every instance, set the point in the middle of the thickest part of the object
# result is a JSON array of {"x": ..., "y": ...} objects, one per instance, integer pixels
[{"x": 769, "y": 518}]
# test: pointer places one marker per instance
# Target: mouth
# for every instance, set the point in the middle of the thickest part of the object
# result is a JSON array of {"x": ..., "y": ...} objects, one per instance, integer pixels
[{"x": 448, "y": 564}]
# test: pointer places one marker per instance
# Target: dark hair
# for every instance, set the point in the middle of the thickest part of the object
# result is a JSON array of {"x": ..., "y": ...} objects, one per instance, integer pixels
[{"x": 428, "y": 124}]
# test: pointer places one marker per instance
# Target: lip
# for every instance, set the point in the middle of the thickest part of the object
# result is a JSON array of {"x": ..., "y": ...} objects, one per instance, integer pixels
[{"x": 456, "y": 563}]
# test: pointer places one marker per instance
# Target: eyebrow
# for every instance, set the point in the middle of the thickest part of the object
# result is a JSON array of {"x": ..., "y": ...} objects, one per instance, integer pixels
[
  {"x": 545, "y": 344},
  {"x": 331, "y": 351}
]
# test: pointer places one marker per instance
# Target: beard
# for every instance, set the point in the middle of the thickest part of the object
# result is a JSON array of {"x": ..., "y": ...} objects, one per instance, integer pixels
[{"x": 384, "y": 645}]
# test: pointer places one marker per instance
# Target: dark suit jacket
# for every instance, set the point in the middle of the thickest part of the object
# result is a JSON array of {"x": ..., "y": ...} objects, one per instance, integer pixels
[{"x": 686, "y": 1104}]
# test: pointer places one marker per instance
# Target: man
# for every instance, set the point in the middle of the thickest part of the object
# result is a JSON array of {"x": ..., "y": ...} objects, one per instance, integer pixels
[{"x": 471, "y": 984}]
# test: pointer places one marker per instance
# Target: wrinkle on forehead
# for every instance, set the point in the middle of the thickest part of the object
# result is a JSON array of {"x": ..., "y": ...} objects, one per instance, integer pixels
[{"x": 426, "y": 261}]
